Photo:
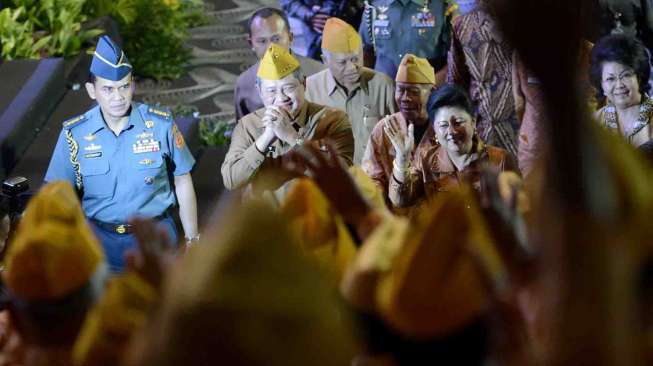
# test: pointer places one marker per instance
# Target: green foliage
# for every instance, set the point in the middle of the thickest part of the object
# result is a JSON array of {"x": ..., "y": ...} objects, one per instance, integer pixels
[
  {"x": 153, "y": 32},
  {"x": 54, "y": 28},
  {"x": 215, "y": 132},
  {"x": 18, "y": 36}
]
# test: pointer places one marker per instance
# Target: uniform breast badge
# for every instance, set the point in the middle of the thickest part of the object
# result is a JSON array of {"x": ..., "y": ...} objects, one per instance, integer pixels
[
  {"x": 145, "y": 146},
  {"x": 423, "y": 20},
  {"x": 90, "y": 137},
  {"x": 382, "y": 23},
  {"x": 93, "y": 147},
  {"x": 93, "y": 151}
]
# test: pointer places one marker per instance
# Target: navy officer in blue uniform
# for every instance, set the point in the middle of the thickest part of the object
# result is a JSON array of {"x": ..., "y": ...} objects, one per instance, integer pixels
[{"x": 121, "y": 156}]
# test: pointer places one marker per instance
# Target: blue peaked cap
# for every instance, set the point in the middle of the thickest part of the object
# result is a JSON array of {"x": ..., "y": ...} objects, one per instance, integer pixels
[{"x": 109, "y": 61}]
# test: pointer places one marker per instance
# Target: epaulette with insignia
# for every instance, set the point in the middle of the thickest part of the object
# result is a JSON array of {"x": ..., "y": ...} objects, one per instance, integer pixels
[
  {"x": 74, "y": 121},
  {"x": 161, "y": 113}
]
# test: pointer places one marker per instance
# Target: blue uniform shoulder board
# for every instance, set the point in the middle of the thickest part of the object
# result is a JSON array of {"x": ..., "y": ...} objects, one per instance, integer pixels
[
  {"x": 74, "y": 121},
  {"x": 160, "y": 113}
]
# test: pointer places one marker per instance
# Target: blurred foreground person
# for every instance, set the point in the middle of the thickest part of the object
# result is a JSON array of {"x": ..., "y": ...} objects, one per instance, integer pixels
[
  {"x": 364, "y": 94},
  {"x": 591, "y": 180},
  {"x": 460, "y": 156},
  {"x": 55, "y": 272},
  {"x": 620, "y": 71},
  {"x": 414, "y": 82},
  {"x": 531, "y": 111},
  {"x": 320, "y": 228},
  {"x": 286, "y": 121},
  {"x": 246, "y": 298},
  {"x": 265, "y": 26},
  {"x": 128, "y": 300},
  {"x": 420, "y": 285}
]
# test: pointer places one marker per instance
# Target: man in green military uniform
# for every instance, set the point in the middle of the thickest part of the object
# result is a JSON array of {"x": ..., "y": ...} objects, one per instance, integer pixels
[{"x": 393, "y": 28}]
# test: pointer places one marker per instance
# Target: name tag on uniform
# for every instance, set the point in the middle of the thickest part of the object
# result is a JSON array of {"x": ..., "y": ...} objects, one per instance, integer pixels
[
  {"x": 145, "y": 135},
  {"x": 93, "y": 155},
  {"x": 145, "y": 146},
  {"x": 381, "y": 23}
]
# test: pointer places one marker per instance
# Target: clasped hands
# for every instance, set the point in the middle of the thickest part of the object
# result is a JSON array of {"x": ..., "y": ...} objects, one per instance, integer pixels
[{"x": 278, "y": 124}]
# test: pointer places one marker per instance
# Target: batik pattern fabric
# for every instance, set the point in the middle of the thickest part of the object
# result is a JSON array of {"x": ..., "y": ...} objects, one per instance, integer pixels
[{"x": 480, "y": 61}]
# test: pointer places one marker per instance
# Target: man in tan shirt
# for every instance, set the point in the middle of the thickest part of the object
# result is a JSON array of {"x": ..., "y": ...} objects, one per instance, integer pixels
[
  {"x": 266, "y": 25},
  {"x": 366, "y": 95},
  {"x": 415, "y": 81},
  {"x": 287, "y": 120}
]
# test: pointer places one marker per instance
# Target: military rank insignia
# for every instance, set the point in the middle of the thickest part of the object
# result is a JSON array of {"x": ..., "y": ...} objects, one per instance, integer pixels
[
  {"x": 423, "y": 19},
  {"x": 160, "y": 113},
  {"x": 179, "y": 138}
]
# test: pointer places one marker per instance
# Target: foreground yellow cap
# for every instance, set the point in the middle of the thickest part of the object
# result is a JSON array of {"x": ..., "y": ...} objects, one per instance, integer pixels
[
  {"x": 55, "y": 251},
  {"x": 319, "y": 228},
  {"x": 277, "y": 63},
  {"x": 436, "y": 286},
  {"x": 340, "y": 37},
  {"x": 416, "y": 70}
]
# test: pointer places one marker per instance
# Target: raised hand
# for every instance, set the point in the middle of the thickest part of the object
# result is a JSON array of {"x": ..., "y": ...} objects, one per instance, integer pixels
[
  {"x": 330, "y": 174},
  {"x": 403, "y": 142},
  {"x": 155, "y": 251}
]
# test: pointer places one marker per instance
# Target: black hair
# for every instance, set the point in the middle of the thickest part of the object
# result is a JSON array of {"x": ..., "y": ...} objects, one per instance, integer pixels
[
  {"x": 623, "y": 49},
  {"x": 449, "y": 95},
  {"x": 265, "y": 13},
  {"x": 91, "y": 78}
]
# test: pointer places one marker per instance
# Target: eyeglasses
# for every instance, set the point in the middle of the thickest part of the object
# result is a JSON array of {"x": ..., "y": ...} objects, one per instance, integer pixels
[{"x": 625, "y": 76}]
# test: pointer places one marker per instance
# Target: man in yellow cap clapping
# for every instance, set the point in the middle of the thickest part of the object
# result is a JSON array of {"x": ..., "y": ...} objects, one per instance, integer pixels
[
  {"x": 366, "y": 95},
  {"x": 287, "y": 120},
  {"x": 415, "y": 81}
]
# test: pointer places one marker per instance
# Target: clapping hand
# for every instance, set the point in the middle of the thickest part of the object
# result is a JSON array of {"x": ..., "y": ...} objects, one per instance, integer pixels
[
  {"x": 330, "y": 174},
  {"x": 403, "y": 142}
]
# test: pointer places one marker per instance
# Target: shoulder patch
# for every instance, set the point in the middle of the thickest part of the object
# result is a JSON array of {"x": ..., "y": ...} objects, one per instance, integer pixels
[
  {"x": 160, "y": 113},
  {"x": 74, "y": 121}
]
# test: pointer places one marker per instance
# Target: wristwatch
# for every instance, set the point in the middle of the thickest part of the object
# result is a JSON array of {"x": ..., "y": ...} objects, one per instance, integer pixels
[{"x": 298, "y": 142}]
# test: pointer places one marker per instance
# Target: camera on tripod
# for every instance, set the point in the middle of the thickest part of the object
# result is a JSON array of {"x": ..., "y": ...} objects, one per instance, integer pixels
[{"x": 14, "y": 192}]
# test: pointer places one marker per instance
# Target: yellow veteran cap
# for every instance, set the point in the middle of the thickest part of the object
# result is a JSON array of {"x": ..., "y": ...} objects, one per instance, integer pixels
[
  {"x": 340, "y": 37},
  {"x": 277, "y": 63},
  {"x": 415, "y": 70},
  {"x": 55, "y": 251}
]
